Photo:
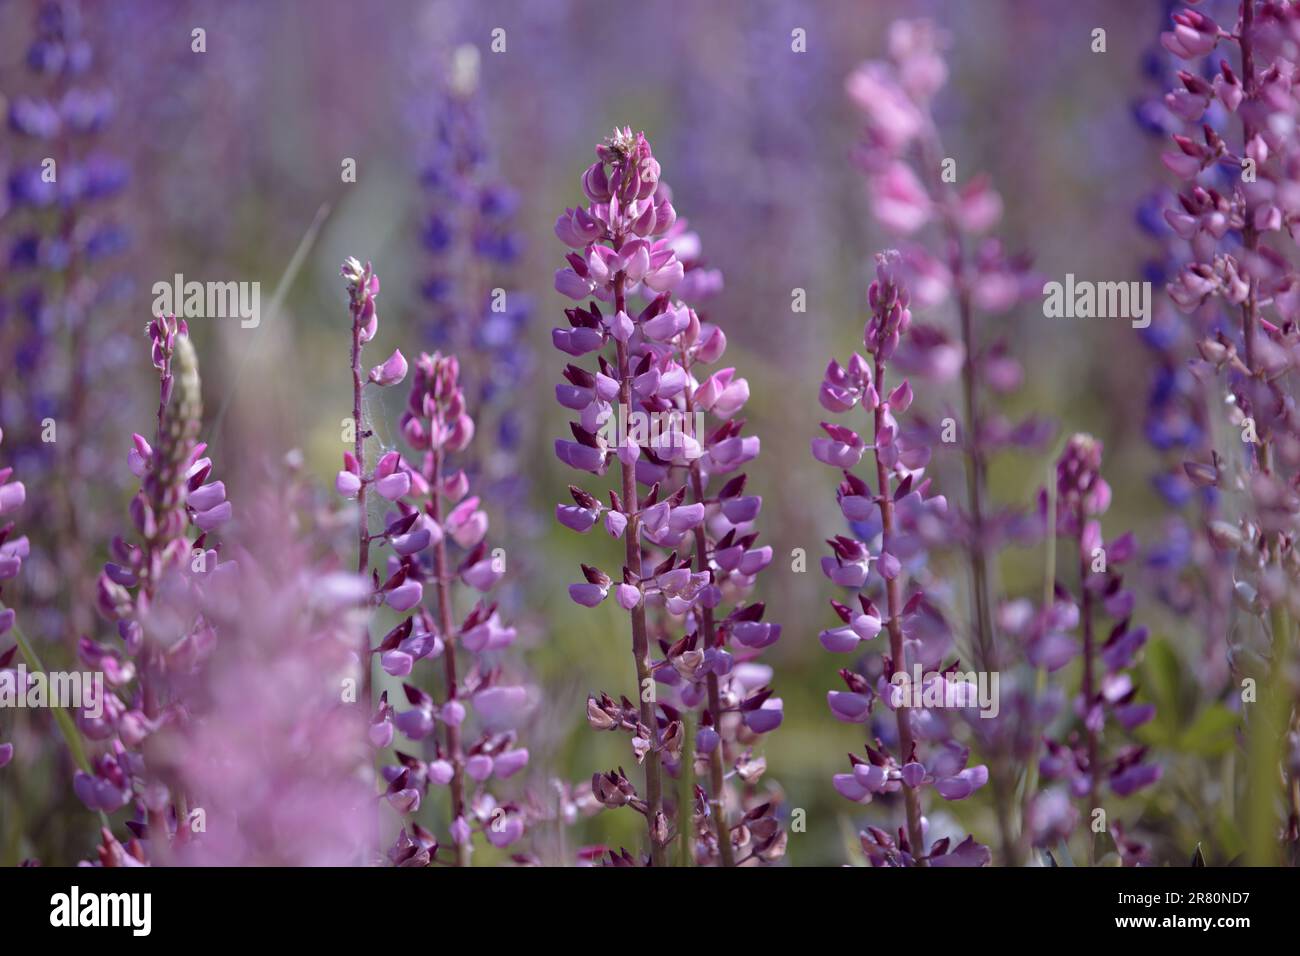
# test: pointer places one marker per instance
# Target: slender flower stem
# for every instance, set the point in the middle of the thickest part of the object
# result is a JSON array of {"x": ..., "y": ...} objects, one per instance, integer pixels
[
  {"x": 976, "y": 479},
  {"x": 686, "y": 791},
  {"x": 893, "y": 595},
  {"x": 976, "y": 482},
  {"x": 1089, "y": 650},
  {"x": 445, "y": 624},
  {"x": 359, "y": 435},
  {"x": 66, "y": 727},
  {"x": 717, "y": 796},
  {"x": 640, "y": 642}
]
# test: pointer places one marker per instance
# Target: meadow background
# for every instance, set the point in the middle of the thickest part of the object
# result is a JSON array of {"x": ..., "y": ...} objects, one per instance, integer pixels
[{"x": 234, "y": 153}]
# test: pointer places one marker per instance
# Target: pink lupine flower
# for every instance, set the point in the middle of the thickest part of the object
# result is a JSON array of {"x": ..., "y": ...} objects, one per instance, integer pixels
[
  {"x": 392, "y": 372},
  {"x": 648, "y": 369},
  {"x": 275, "y": 753},
  {"x": 1194, "y": 35}
]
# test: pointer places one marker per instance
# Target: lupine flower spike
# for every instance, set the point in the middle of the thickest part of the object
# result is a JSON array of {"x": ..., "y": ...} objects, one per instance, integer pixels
[
  {"x": 859, "y": 566},
  {"x": 1108, "y": 692},
  {"x": 435, "y": 517},
  {"x": 642, "y": 404},
  {"x": 159, "y": 591},
  {"x": 1236, "y": 159}
]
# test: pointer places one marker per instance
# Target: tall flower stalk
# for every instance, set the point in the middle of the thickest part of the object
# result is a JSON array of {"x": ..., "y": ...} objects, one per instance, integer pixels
[
  {"x": 158, "y": 591},
  {"x": 363, "y": 287},
  {"x": 61, "y": 289},
  {"x": 1238, "y": 213},
  {"x": 643, "y": 405},
  {"x": 474, "y": 309},
  {"x": 615, "y": 233},
  {"x": 432, "y": 512},
  {"x": 1189, "y": 574},
  {"x": 900, "y": 483},
  {"x": 435, "y": 519},
  {"x": 912, "y": 181},
  {"x": 1107, "y": 691}
]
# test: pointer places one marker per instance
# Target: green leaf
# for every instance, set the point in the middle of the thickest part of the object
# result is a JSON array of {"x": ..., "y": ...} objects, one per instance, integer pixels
[
  {"x": 1163, "y": 675},
  {"x": 1212, "y": 733}
]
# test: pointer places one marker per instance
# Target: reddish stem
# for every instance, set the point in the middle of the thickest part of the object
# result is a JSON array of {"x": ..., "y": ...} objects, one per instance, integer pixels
[
  {"x": 640, "y": 642},
  {"x": 717, "y": 798},
  {"x": 894, "y": 601},
  {"x": 443, "y": 587}
]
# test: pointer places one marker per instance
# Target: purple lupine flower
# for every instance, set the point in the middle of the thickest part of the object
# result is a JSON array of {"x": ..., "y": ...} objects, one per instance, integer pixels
[
  {"x": 434, "y": 512},
  {"x": 61, "y": 290},
  {"x": 900, "y": 151},
  {"x": 1108, "y": 692},
  {"x": 644, "y": 404},
  {"x": 859, "y": 565},
  {"x": 160, "y": 592},
  {"x": 1236, "y": 212},
  {"x": 1189, "y": 575},
  {"x": 474, "y": 246},
  {"x": 388, "y": 481}
]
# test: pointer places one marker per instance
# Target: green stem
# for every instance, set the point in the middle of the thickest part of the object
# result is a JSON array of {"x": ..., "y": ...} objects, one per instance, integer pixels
[
  {"x": 66, "y": 726},
  {"x": 1265, "y": 749},
  {"x": 686, "y": 794}
]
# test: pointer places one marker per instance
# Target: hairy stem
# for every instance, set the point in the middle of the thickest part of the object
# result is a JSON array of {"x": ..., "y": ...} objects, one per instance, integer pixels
[
  {"x": 894, "y": 600},
  {"x": 1089, "y": 651},
  {"x": 445, "y": 624},
  {"x": 640, "y": 641},
  {"x": 363, "y": 531},
  {"x": 717, "y": 795}
]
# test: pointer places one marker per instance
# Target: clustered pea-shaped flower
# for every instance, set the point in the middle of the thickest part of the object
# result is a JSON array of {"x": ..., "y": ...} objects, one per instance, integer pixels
[
  {"x": 944, "y": 219},
  {"x": 1108, "y": 691},
  {"x": 923, "y": 752},
  {"x": 433, "y": 513},
  {"x": 1236, "y": 156},
  {"x": 159, "y": 590},
  {"x": 691, "y": 551},
  {"x": 1186, "y": 572}
]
